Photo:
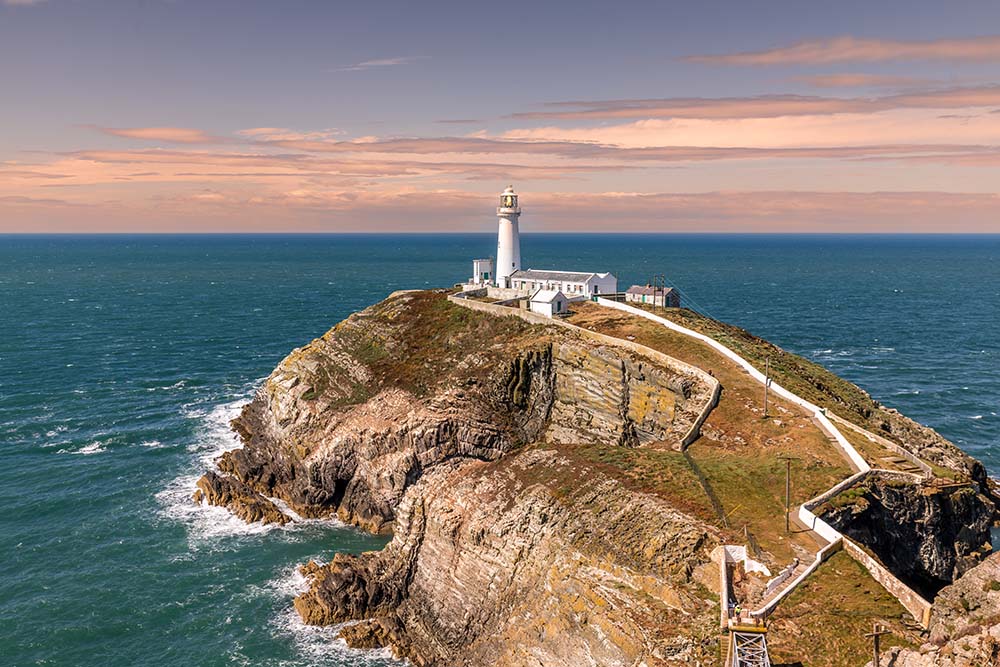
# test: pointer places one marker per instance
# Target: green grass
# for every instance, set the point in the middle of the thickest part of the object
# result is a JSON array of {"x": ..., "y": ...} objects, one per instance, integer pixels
[{"x": 823, "y": 622}]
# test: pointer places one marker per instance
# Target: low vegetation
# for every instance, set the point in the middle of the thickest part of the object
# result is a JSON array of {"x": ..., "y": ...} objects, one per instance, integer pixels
[{"x": 824, "y": 621}]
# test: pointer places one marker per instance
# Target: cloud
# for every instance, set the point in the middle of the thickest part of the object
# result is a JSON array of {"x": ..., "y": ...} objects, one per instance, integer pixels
[
  {"x": 458, "y": 121},
  {"x": 761, "y": 106},
  {"x": 850, "y": 49},
  {"x": 172, "y": 135},
  {"x": 310, "y": 208},
  {"x": 285, "y": 134},
  {"x": 856, "y": 80},
  {"x": 380, "y": 62},
  {"x": 22, "y": 3}
]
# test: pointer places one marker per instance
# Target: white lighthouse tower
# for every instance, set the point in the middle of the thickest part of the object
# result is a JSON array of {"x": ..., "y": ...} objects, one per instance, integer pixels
[{"x": 508, "y": 238}]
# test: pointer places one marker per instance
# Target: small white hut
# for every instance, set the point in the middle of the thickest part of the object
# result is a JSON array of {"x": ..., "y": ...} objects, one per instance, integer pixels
[{"x": 549, "y": 302}]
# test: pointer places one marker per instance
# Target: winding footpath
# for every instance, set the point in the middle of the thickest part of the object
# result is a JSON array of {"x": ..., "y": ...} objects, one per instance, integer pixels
[{"x": 789, "y": 579}]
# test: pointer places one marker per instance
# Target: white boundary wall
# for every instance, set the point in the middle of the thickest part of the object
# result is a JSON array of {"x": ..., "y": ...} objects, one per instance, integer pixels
[
  {"x": 911, "y": 601},
  {"x": 818, "y": 413}
]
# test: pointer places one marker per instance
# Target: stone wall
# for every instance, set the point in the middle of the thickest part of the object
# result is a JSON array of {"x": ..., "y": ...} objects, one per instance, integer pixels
[{"x": 911, "y": 601}]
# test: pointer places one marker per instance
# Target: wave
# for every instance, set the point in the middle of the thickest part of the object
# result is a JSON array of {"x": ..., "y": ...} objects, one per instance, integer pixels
[
  {"x": 208, "y": 524},
  {"x": 95, "y": 447}
]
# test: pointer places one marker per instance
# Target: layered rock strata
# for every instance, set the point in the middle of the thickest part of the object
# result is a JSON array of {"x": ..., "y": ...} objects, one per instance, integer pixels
[
  {"x": 346, "y": 424},
  {"x": 534, "y": 560}
]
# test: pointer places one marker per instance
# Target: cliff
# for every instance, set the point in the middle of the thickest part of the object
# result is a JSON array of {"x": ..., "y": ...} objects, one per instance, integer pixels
[
  {"x": 540, "y": 511},
  {"x": 927, "y": 534},
  {"x": 538, "y": 560},
  {"x": 965, "y": 628}
]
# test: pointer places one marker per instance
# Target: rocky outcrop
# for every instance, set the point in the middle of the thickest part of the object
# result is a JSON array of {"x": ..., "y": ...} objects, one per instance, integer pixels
[
  {"x": 511, "y": 544},
  {"x": 241, "y": 500},
  {"x": 346, "y": 424},
  {"x": 928, "y": 535},
  {"x": 965, "y": 624},
  {"x": 536, "y": 560}
]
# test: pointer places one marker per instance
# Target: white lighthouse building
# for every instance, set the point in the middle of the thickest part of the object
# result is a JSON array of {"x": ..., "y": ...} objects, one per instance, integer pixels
[
  {"x": 546, "y": 291},
  {"x": 508, "y": 238}
]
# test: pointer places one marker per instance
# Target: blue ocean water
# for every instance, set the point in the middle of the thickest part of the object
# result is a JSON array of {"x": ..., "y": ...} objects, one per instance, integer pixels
[{"x": 123, "y": 357}]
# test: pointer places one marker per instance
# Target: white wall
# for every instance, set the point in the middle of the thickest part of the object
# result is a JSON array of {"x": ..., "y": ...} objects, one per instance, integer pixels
[
  {"x": 549, "y": 309},
  {"x": 608, "y": 285}
]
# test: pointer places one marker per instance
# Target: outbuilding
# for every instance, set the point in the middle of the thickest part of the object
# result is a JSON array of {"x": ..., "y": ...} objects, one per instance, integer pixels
[
  {"x": 664, "y": 297},
  {"x": 549, "y": 302}
]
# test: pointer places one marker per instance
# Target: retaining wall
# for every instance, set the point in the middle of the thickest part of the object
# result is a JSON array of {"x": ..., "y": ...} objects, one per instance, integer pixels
[
  {"x": 910, "y": 599},
  {"x": 715, "y": 389}
]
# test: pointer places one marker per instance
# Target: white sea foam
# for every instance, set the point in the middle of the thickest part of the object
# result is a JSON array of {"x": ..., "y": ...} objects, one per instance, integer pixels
[
  {"x": 152, "y": 444},
  {"x": 180, "y": 384},
  {"x": 95, "y": 447},
  {"x": 206, "y": 523},
  {"x": 976, "y": 417},
  {"x": 316, "y": 645},
  {"x": 320, "y": 645}
]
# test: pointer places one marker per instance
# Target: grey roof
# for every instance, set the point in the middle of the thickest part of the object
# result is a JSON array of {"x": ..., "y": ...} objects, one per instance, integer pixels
[
  {"x": 546, "y": 296},
  {"x": 647, "y": 289},
  {"x": 570, "y": 276}
]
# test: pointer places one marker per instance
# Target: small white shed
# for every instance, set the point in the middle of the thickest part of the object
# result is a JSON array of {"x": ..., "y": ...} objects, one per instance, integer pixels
[{"x": 549, "y": 302}]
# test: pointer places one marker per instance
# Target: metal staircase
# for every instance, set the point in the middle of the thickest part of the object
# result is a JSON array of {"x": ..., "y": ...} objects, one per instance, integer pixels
[{"x": 748, "y": 648}]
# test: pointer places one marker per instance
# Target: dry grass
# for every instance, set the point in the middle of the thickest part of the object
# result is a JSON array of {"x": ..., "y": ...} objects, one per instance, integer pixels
[
  {"x": 823, "y": 623},
  {"x": 740, "y": 451}
]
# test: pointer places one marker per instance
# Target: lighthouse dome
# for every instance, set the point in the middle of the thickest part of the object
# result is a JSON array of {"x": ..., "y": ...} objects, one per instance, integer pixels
[{"x": 508, "y": 201}]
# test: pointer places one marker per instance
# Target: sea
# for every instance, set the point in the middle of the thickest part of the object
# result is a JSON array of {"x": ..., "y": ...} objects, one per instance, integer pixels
[{"x": 122, "y": 359}]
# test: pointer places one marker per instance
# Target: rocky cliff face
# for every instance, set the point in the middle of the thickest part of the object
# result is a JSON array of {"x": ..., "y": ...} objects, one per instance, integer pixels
[
  {"x": 346, "y": 424},
  {"x": 928, "y": 535},
  {"x": 429, "y": 417},
  {"x": 462, "y": 432},
  {"x": 536, "y": 560},
  {"x": 965, "y": 624}
]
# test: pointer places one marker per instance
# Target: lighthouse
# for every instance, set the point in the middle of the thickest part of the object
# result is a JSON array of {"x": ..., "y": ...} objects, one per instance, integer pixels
[{"x": 508, "y": 238}]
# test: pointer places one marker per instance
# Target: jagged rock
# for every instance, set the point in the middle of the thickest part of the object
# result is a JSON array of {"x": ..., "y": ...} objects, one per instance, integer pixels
[
  {"x": 965, "y": 624},
  {"x": 239, "y": 498},
  {"x": 504, "y": 565},
  {"x": 346, "y": 424},
  {"x": 927, "y": 536}
]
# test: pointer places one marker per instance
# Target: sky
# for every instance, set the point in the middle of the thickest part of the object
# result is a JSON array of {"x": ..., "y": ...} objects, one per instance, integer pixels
[{"x": 670, "y": 116}]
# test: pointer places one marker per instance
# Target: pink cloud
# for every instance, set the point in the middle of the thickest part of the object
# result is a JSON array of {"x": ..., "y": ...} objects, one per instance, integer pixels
[
  {"x": 859, "y": 80},
  {"x": 761, "y": 106},
  {"x": 323, "y": 209},
  {"x": 171, "y": 135},
  {"x": 850, "y": 49}
]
